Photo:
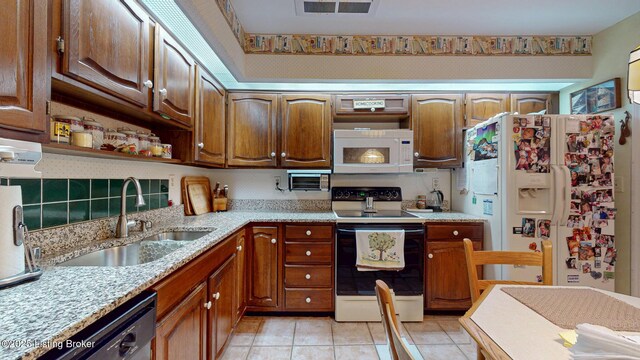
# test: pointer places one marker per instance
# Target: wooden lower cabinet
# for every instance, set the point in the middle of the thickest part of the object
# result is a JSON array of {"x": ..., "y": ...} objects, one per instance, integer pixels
[
  {"x": 263, "y": 267},
  {"x": 182, "y": 334},
  {"x": 222, "y": 294},
  {"x": 241, "y": 275}
]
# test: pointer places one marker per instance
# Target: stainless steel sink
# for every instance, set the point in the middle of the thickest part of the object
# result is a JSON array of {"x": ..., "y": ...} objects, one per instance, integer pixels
[{"x": 148, "y": 249}]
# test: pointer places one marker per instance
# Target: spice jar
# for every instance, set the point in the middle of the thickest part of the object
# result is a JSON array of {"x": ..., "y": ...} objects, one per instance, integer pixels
[
  {"x": 81, "y": 139},
  {"x": 155, "y": 146},
  {"x": 167, "y": 151},
  {"x": 113, "y": 140},
  {"x": 132, "y": 142},
  {"x": 62, "y": 126},
  {"x": 97, "y": 132},
  {"x": 143, "y": 141},
  {"x": 421, "y": 202}
]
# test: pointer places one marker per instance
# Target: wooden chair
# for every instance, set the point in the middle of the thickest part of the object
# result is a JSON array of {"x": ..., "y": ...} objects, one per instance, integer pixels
[
  {"x": 478, "y": 258},
  {"x": 397, "y": 347}
]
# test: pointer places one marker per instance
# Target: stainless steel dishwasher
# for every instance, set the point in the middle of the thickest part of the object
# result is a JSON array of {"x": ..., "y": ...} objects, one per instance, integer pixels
[{"x": 124, "y": 333}]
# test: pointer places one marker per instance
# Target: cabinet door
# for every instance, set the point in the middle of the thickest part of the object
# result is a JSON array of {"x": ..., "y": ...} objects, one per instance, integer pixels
[
  {"x": 107, "y": 47},
  {"x": 24, "y": 77},
  {"x": 174, "y": 89},
  {"x": 251, "y": 139},
  {"x": 222, "y": 292},
  {"x": 305, "y": 131},
  {"x": 263, "y": 267},
  {"x": 481, "y": 107},
  {"x": 182, "y": 334},
  {"x": 241, "y": 288},
  {"x": 447, "y": 286},
  {"x": 210, "y": 124},
  {"x": 437, "y": 130},
  {"x": 530, "y": 103}
]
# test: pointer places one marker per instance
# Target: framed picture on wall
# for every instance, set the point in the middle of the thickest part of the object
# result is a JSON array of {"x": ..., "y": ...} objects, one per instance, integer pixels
[{"x": 598, "y": 98}]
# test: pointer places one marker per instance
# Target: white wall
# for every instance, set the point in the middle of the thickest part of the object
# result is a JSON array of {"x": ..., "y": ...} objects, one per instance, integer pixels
[{"x": 611, "y": 49}]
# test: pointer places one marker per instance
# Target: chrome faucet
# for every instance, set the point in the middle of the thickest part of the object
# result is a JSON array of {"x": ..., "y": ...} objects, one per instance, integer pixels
[{"x": 122, "y": 228}]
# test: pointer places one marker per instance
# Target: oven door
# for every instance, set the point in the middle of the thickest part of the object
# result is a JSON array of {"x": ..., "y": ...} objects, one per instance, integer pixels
[{"x": 407, "y": 282}]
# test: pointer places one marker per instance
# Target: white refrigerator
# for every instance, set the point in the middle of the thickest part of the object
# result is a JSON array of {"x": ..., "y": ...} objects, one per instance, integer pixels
[{"x": 538, "y": 177}]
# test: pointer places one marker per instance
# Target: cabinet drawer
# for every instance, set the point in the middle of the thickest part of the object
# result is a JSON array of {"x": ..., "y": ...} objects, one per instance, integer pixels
[
  {"x": 307, "y": 253},
  {"x": 311, "y": 232},
  {"x": 471, "y": 231},
  {"x": 309, "y": 299},
  {"x": 307, "y": 276}
]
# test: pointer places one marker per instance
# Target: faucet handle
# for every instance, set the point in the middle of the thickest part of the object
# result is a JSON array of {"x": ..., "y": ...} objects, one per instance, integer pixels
[{"x": 146, "y": 225}]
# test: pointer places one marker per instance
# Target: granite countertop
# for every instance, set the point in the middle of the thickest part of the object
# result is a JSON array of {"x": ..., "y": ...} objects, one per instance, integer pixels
[
  {"x": 448, "y": 216},
  {"x": 67, "y": 299}
]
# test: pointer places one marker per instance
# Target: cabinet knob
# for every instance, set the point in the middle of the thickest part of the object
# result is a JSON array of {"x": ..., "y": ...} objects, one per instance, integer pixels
[
  {"x": 239, "y": 247},
  {"x": 308, "y": 253},
  {"x": 273, "y": 241},
  {"x": 455, "y": 232},
  {"x": 215, "y": 296},
  {"x": 163, "y": 92},
  {"x": 201, "y": 146},
  {"x": 148, "y": 84},
  {"x": 207, "y": 305},
  {"x": 430, "y": 256},
  {"x": 308, "y": 276},
  {"x": 308, "y": 300},
  {"x": 308, "y": 232},
  {"x": 273, "y": 154},
  {"x": 283, "y": 154},
  {"x": 373, "y": 109},
  {"x": 416, "y": 154}
]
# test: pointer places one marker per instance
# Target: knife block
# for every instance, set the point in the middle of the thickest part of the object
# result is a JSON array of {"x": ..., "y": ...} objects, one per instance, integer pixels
[{"x": 219, "y": 204}]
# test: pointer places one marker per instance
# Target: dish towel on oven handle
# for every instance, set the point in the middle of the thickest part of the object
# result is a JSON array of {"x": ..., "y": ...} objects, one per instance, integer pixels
[
  {"x": 598, "y": 342},
  {"x": 380, "y": 250}
]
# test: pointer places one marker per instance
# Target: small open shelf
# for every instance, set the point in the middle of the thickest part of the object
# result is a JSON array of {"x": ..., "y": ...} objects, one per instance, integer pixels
[{"x": 88, "y": 152}]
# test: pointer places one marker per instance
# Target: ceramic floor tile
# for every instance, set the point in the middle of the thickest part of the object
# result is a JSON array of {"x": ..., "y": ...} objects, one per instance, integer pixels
[
  {"x": 245, "y": 332},
  {"x": 384, "y": 354},
  {"x": 441, "y": 352},
  {"x": 470, "y": 350},
  {"x": 275, "y": 332},
  {"x": 270, "y": 353},
  {"x": 455, "y": 331},
  {"x": 379, "y": 337},
  {"x": 236, "y": 353},
  {"x": 356, "y": 352},
  {"x": 312, "y": 353},
  {"x": 351, "y": 334},
  {"x": 427, "y": 332},
  {"x": 313, "y": 332}
]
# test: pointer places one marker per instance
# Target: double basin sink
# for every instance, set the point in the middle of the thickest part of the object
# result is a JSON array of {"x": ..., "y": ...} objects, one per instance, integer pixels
[{"x": 146, "y": 250}]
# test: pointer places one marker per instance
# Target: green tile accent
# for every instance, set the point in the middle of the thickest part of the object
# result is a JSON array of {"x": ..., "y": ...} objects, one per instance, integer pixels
[
  {"x": 99, "y": 208},
  {"x": 115, "y": 187},
  {"x": 131, "y": 205},
  {"x": 144, "y": 185},
  {"x": 30, "y": 190},
  {"x": 114, "y": 206},
  {"x": 155, "y": 202},
  {"x": 99, "y": 188},
  {"x": 78, "y": 211},
  {"x": 164, "y": 186},
  {"x": 164, "y": 200},
  {"x": 54, "y": 214},
  {"x": 31, "y": 215},
  {"x": 154, "y": 186},
  {"x": 55, "y": 190},
  {"x": 79, "y": 189},
  {"x": 147, "y": 202},
  {"x": 4, "y": 181}
]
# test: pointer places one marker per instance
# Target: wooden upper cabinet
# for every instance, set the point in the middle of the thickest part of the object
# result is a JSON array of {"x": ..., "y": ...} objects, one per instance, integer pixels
[
  {"x": 210, "y": 123},
  {"x": 437, "y": 130},
  {"x": 252, "y": 131},
  {"x": 263, "y": 267},
  {"x": 305, "y": 131},
  {"x": 397, "y": 105},
  {"x": 531, "y": 103},
  {"x": 107, "y": 47},
  {"x": 481, "y": 107},
  {"x": 174, "y": 89},
  {"x": 24, "y": 84}
]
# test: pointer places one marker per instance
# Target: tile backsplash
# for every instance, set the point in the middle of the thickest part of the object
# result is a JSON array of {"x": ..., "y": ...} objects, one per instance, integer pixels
[{"x": 54, "y": 202}]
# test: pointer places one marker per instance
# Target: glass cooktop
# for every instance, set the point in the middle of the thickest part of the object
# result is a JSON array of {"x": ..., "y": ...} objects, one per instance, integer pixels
[{"x": 377, "y": 214}]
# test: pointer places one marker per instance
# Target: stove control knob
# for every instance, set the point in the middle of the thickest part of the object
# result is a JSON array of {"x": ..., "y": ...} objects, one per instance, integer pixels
[
  {"x": 395, "y": 194},
  {"x": 388, "y": 194}
]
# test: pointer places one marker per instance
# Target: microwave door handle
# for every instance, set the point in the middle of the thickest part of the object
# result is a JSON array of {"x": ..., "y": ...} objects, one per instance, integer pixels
[{"x": 567, "y": 195}]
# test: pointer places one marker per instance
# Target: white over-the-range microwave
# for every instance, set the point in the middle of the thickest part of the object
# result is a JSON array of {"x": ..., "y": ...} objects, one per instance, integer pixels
[{"x": 372, "y": 151}]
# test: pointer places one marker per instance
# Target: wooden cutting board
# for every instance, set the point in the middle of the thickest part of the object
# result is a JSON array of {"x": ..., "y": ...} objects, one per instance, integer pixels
[
  {"x": 184, "y": 185},
  {"x": 200, "y": 198}
]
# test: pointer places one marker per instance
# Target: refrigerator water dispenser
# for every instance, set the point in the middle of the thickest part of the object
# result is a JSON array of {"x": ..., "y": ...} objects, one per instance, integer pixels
[{"x": 534, "y": 194}]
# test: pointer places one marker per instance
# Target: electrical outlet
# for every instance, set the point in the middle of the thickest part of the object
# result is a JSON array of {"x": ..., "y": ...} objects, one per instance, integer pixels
[
  {"x": 172, "y": 180},
  {"x": 618, "y": 184},
  {"x": 435, "y": 183},
  {"x": 278, "y": 180}
]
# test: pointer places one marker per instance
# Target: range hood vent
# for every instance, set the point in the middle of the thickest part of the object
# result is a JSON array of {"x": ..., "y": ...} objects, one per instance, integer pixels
[{"x": 337, "y": 7}]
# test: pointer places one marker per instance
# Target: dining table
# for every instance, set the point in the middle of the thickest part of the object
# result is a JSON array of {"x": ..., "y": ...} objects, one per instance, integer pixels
[{"x": 521, "y": 321}]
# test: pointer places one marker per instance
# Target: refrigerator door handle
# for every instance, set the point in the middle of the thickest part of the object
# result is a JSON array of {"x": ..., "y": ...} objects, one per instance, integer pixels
[
  {"x": 567, "y": 195},
  {"x": 556, "y": 198}
]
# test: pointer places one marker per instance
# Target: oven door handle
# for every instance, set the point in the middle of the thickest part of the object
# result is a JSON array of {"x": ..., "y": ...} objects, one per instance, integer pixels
[{"x": 381, "y": 230}]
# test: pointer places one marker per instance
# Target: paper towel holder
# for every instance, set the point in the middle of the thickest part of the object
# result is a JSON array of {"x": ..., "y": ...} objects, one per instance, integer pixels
[{"x": 32, "y": 269}]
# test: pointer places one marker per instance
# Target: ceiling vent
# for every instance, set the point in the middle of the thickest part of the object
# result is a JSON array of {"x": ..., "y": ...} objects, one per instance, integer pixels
[{"x": 338, "y": 7}]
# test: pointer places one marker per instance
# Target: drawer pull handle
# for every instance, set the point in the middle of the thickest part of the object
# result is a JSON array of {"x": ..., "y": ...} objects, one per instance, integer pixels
[
  {"x": 308, "y": 300},
  {"x": 273, "y": 241},
  {"x": 308, "y": 276},
  {"x": 430, "y": 256},
  {"x": 308, "y": 253},
  {"x": 308, "y": 233},
  {"x": 207, "y": 305},
  {"x": 455, "y": 232}
]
